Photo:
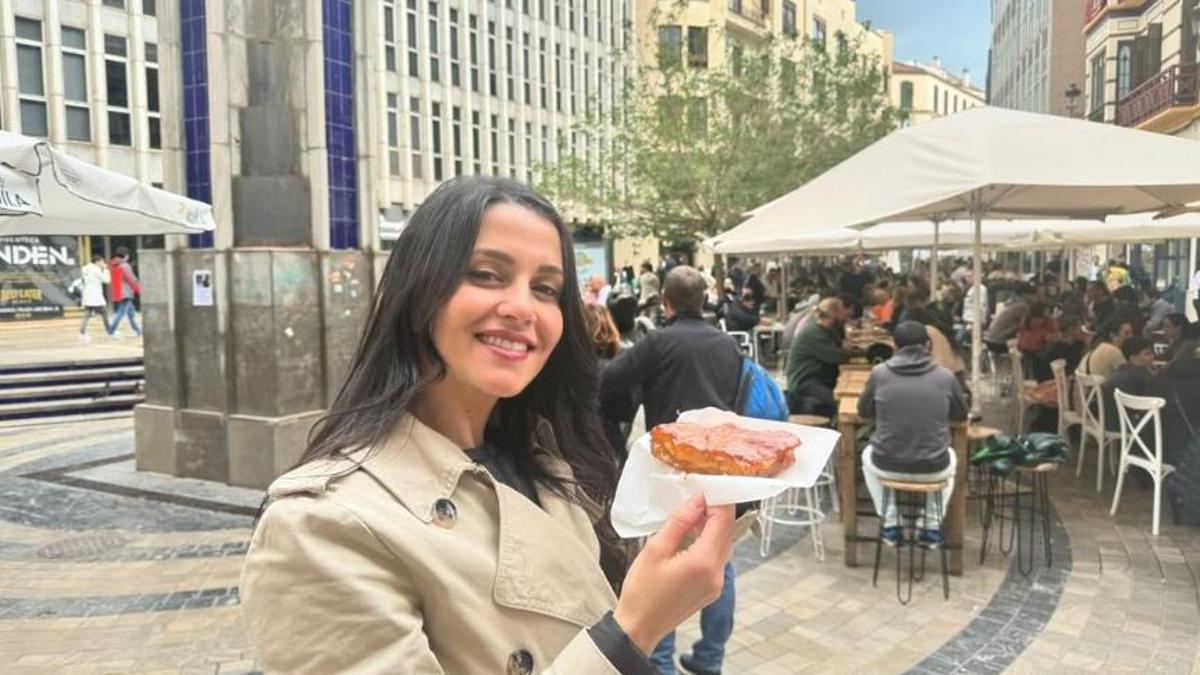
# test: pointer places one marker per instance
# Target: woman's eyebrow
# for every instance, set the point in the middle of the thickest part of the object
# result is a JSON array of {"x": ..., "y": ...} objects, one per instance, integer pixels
[{"x": 502, "y": 257}]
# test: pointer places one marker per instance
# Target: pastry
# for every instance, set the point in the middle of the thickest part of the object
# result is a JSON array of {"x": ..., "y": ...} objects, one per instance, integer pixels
[{"x": 725, "y": 449}]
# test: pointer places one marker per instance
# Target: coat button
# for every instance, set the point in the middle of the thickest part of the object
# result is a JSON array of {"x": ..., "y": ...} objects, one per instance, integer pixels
[
  {"x": 445, "y": 513},
  {"x": 520, "y": 662}
]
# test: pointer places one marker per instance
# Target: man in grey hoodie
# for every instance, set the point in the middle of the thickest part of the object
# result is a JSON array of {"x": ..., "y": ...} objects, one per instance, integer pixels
[{"x": 912, "y": 400}]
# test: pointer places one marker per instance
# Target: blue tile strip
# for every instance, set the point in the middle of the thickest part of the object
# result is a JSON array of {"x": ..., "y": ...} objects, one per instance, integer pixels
[
  {"x": 338, "y": 34},
  {"x": 195, "y": 108}
]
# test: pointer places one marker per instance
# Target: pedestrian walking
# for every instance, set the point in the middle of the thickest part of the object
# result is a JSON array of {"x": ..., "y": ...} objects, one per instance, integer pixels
[
  {"x": 445, "y": 516},
  {"x": 93, "y": 277},
  {"x": 124, "y": 287}
]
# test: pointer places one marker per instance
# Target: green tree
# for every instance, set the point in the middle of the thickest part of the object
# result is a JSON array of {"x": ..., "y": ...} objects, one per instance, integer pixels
[{"x": 691, "y": 148}]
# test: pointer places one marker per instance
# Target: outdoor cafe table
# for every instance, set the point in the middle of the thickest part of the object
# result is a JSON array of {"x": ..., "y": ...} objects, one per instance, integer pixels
[{"x": 851, "y": 382}]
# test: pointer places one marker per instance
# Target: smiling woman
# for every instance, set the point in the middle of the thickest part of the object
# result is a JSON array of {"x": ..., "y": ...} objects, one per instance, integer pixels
[{"x": 447, "y": 513}]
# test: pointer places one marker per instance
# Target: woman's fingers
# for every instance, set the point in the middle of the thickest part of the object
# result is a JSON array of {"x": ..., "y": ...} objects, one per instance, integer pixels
[
  {"x": 685, "y": 518},
  {"x": 717, "y": 538}
]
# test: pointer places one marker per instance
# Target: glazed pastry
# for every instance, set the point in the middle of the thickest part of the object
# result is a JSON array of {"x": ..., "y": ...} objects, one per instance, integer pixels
[{"x": 724, "y": 450}]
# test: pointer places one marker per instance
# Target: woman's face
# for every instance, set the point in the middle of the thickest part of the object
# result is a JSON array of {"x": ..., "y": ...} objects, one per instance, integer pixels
[
  {"x": 498, "y": 329},
  {"x": 1123, "y": 333}
]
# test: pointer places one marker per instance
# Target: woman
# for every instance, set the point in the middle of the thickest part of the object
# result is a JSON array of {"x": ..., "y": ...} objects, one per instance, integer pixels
[
  {"x": 1105, "y": 356},
  {"x": 441, "y": 519},
  {"x": 1037, "y": 332},
  {"x": 616, "y": 409}
]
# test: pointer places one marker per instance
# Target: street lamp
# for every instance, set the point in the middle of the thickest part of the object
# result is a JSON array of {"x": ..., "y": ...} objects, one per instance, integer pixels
[{"x": 1072, "y": 94}]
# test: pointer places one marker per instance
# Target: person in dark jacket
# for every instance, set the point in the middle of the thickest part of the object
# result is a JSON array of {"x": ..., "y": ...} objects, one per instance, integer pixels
[
  {"x": 742, "y": 315},
  {"x": 813, "y": 360},
  {"x": 912, "y": 400},
  {"x": 617, "y": 409},
  {"x": 689, "y": 364},
  {"x": 1132, "y": 377}
]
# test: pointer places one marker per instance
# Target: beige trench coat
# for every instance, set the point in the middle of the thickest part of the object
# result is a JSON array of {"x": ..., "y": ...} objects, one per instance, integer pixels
[{"x": 413, "y": 560}]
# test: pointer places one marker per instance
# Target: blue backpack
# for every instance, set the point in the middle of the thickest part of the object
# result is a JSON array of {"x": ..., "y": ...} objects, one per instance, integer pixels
[{"x": 758, "y": 395}]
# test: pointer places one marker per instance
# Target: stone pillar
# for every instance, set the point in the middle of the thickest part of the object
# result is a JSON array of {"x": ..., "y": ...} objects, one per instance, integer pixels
[{"x": 235, "y": 381}]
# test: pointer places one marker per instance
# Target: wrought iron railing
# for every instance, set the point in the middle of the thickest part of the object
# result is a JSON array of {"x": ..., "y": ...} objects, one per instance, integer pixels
[{"x": 1173, "y": 87}]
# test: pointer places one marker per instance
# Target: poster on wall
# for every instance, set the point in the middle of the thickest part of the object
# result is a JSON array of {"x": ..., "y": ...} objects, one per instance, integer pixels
[
  {"x": 591, "y": 260},
  {"x": 202, "y": 288},
  {"x": 35, "y": 273}
]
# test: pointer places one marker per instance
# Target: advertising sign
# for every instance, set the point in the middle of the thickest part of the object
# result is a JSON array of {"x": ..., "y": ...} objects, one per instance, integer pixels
[
  {"x": 35, "y": 273},
  {"x": 591, "y": 260}
]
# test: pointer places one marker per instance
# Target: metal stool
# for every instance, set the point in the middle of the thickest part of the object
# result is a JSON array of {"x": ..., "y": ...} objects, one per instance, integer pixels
[
  {"x": 828, "y": 477},
  {"x": 977, "y": 475},
  {"x": 1037, "y": 506},
  {"x": 909, "y": 499},
  {"x": 808, "y": 514}
]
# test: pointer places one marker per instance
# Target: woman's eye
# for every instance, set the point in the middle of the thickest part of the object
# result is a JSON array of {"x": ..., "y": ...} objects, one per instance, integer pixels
[
  {"x": 485, "y": 276},
  {"x": 547, "y": 291}
]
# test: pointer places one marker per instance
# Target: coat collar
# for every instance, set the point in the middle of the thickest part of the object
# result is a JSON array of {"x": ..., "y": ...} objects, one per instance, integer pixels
[{"x": 541, "y": 555}]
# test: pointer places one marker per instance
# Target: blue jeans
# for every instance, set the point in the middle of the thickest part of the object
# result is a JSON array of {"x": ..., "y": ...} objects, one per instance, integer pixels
[
  {"x": 125, "y": 308},
  {"x": 716, "y": 625}
]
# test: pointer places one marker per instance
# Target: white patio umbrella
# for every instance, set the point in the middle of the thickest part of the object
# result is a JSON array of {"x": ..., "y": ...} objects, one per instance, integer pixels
[
  {"x": 989, "y": 163},
  {"x": 46, "y": 191}
]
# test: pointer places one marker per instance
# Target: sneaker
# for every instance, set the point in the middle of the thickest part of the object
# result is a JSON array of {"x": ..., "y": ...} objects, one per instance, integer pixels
[
  {"x": 115, "y": 335},
  {"x": 890, "y": 535},
  {"x": 931, "y": 539},
  {"x": 686, "y": 664}
]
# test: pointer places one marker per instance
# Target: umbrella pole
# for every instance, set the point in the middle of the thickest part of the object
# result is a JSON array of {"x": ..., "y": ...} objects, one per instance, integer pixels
[{"x": 977, "y": 282}]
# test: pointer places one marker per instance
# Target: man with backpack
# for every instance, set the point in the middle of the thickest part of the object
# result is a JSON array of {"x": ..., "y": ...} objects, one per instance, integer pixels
[{"x": 689, "y": 364}]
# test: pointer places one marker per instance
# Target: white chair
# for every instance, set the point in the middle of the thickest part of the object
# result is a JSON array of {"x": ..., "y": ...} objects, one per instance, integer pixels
[
  {"x": 1134, "y": 451},
  {"x": 1091, "y": 409},
  {"x": 1020, "y": 386},
  {"x": 745, "y": 343},
  {"x": 1068, "y": 416}
]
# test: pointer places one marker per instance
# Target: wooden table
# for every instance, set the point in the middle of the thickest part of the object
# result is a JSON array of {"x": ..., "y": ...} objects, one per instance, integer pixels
[{"x": 850, "y": 385}]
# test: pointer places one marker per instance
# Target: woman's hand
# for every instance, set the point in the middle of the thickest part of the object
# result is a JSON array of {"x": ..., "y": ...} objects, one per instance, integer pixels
[{"x": 667, "y": 583}]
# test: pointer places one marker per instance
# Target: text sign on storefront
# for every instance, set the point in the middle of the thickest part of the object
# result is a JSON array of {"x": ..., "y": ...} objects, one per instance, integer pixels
[{"x": 35, "y": 273}]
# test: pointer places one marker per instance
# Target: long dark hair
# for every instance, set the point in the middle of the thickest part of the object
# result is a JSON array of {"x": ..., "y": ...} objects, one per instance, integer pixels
[{"x": 396, "y": 359}]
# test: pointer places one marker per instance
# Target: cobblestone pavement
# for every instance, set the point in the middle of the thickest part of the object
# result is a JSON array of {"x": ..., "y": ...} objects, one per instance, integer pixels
[{"x": 106, "y": 570}]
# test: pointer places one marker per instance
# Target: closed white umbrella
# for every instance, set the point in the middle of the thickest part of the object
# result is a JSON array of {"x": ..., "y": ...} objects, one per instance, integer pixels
[
  {"x": 44, "y": 191},
  {"x": 989, "y": 163}
]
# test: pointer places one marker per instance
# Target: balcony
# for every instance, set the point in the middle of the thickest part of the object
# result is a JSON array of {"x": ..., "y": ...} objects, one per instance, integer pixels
[
  {"x": 1093, "y": 9},
  {"x": 756, "y": 11},
  {"x": 1173, "y": 89}
]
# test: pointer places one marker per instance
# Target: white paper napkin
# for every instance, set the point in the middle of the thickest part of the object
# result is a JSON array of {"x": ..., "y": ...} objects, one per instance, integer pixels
[{"x": 650, "y": 491}]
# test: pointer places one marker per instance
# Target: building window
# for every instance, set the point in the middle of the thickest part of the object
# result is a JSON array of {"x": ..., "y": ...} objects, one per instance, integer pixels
[
  {"x": 906, "y": 95},
  {"x": 558, "y": 80},
  {"x": 528, "y": 153},
  {"x": 512, "y": 148},
  {"x": 115, "y": 4},
  {"x": 493, "y": 89},
  {"x": 945, "y": 101},
  {"x": 510, "y": 64},
  {"x": 571, "y": 77},
  {"x": 389, "y": 35},
  {"x": 818, "y": 35},
  {"x": 456, "y": 139},
  {"x": 543, "y": 86},
  {"x": 787, "y": 77},
  {"x": 455, "y": 75},
  {"x": 526, "y": 71},
  {"x": 669, "y": 46},
  {"x": 935, "y": 99},
  {"x": 1097, "y": 83},
  {"x": 414, "y": 135},
  {"x": 393, "y": 134},
  {"x": 31, "y": 87},
  {"x": 545, "y": 145},
  {"x": 697, "y": 46},
  {"x": 436, "y": 135},
  {"x": 150, "y": 7},
  {"x": 435, "y": 71},
  {"x": 1124, "y": 69},
  {"x": 476, "y": 143},
  {"x": 473, "y": 50},
  {"x": 116, "y": 81},
  {"x": 154, "y": 112},
  {"x": 414, "y": 55},
  {"x": 75, "y": 90},
  {"x": 495, "y": 145},
  {"x": 571, "y": 14},
  {"x": 789, "y": 18},
  {"x": 735, "y": 54}
]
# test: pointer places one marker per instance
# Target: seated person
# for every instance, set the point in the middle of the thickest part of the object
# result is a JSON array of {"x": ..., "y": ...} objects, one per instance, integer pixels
[
  {"x": 1070, "y": 344},
  {"x": 1176, "y": 329},
  {"x": 743, "y": 314},
  {"x": 1133, "y": 377},
  {"x": 1105, "y": 355},
  {"x": 1033, "y": 340},
  {"x": 1157, "y": 311},
  {"x": 1009, "y": 321},
  {"x": 813, "y": 360},
  {"x": 1179, "y": 384},
  {"x": 882, "y": 307},
  {"x": 912, "y": 400}
]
